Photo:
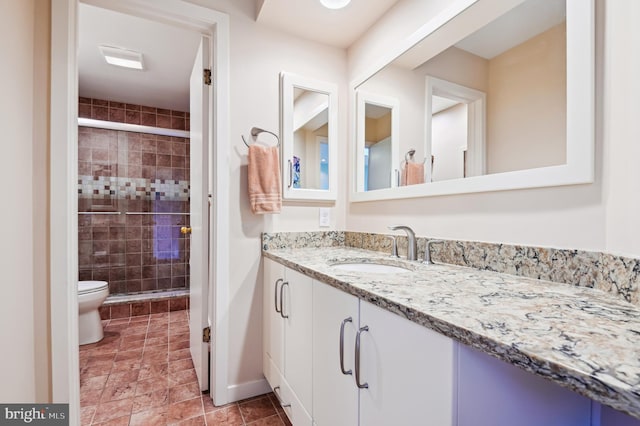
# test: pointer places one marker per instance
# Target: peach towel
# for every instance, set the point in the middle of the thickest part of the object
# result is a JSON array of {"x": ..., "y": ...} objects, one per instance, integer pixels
[
  {"x": 412, "y": 173},
  {"x": 264, "y": 179}
]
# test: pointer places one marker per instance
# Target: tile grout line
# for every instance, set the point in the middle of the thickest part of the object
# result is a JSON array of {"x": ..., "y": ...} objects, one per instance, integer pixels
[
  {"x": 117, "y": 345},
  {"x": 148, "y": 322},
  {"x": 244, "y": 422}
]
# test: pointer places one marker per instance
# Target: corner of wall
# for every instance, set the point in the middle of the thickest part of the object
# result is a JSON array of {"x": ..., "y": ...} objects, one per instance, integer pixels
[{"x": 41, "y": 155}]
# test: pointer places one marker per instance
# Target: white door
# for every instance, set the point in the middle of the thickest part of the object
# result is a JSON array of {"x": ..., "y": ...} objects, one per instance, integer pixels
[{"x": 199, "y": 208}]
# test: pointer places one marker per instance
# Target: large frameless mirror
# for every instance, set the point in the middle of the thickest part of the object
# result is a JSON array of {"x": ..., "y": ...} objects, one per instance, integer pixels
[
  {"x": 309, "y": 138},
  {"x": 498, "y": 96}
]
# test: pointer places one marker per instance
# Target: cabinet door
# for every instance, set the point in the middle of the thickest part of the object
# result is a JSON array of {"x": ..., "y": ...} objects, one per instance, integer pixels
[
  {"x": 335, "y": 395},
  {"x": 297, "y": 313},
  {"x": 494, "y": 393},
  {"x": 273, "y": 323},
  {"x": 409, "y": 370}
]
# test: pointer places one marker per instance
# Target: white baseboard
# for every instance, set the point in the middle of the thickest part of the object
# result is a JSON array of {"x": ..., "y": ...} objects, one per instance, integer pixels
[{"x": 247, "y": 390}]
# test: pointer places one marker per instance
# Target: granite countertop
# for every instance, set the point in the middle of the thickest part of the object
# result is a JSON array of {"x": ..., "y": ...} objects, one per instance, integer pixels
[{"x": 581, "y": 338}]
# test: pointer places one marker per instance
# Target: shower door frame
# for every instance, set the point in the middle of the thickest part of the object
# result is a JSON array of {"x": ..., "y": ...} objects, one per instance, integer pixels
[{"x": 63, "y": 185}]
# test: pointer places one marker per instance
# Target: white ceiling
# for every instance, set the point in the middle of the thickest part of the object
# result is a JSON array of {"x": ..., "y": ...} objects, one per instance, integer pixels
[
  {"x": 169, "y": 51},
  {"x": 168, "y": 57},
  {"x": 521, "y": 23},
  {"x": 310, "y": 20},
  {"x": 530, "y": 18}
]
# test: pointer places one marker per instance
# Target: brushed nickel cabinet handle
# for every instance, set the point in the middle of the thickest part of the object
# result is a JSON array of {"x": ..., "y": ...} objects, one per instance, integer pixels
[
  {"x": 344, "y": 322},
  {"x": 275, "y": 392},
  {"x": 275, "y": 296},
  {"x": 360, "y": 385},
  {"x": 286, "y": 283}
]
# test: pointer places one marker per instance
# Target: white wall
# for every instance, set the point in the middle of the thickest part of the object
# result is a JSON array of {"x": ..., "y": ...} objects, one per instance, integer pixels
[
  {"x": 598, "y": 216},
  {"x": 41, "y": 201},
  {"x": 621, "y": 126},
  {"x": 18, "y": 261},
  {"x": 526, "y": 104},
  {"x": 398, "y": 23},
  {"x": 258, "y": 55}
]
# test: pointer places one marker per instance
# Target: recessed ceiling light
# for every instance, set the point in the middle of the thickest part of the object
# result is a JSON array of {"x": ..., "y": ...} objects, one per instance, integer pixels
[
  {"x": 335, "y": 4},
  {"x": 122, "y": 57}
]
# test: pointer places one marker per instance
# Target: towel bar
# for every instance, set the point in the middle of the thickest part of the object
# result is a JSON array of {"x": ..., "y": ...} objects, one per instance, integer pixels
[{"x": 255, "y": 131}]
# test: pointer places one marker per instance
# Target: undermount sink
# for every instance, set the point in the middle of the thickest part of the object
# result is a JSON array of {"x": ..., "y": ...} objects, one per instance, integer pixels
[{"x": 370, "y": 267}]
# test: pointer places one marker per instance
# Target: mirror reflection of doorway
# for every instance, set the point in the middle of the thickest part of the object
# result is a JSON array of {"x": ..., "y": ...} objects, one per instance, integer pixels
[
  {"x": 449, "y": 139},
  {"x": 455, "y": 130},
  {"x": 377, "y": 133}
]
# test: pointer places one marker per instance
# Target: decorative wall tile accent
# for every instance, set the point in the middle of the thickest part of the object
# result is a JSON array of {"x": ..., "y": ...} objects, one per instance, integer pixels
[
  {"x": 613, "y": 274},
  {"x": 132, "y": 188}
]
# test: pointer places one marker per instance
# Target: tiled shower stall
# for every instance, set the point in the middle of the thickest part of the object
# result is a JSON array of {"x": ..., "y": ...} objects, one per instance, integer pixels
[{"x": 133, "y": 198}]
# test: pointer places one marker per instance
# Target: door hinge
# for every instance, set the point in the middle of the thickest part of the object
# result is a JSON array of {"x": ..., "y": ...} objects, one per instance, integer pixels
[
  {"x": 207, "y": 77},
  {"x": 206, "y": 334}
]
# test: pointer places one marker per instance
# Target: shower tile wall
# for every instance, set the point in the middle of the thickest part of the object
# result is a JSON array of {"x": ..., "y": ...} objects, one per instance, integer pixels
[
  {"x": 125, "y": 173},
  {"x": 99, "y": 109}
]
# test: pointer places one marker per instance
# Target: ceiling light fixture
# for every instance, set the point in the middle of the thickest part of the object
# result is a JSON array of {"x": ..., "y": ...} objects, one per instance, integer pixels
[
  {"x": 335, "y": 4},
  {"x": 122, "y": 57}
]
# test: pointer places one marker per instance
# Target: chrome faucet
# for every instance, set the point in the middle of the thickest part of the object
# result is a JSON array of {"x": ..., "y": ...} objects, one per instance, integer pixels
[
  {"x": 427, "y": 251},
  {"x": 412, "y": 245}
]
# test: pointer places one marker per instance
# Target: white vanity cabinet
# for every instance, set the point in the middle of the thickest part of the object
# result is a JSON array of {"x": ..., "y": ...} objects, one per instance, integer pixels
[
  {"x": 408, "y": 369},
  {"x": 287, "y": 350},
  {"x": 494, "y": 393}
]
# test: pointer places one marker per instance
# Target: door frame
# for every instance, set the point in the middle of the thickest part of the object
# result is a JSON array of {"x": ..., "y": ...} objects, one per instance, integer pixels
[{"x": 63, "y": 181}]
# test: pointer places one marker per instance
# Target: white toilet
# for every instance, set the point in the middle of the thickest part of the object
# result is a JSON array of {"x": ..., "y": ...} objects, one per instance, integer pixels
[{"x": 91, "y": 294}]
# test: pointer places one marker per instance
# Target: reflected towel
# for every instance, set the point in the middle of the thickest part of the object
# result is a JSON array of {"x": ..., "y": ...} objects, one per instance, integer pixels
[
  {"x": 412, "y": 173},
  {"x": 264, "y": 179}
]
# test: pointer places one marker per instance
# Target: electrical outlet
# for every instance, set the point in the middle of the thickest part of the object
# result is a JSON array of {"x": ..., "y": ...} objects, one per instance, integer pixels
[{"x": 325, "y": 217}]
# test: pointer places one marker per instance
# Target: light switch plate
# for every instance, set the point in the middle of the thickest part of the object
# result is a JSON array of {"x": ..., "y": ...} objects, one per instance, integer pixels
[{"x": 325, "y": 217}]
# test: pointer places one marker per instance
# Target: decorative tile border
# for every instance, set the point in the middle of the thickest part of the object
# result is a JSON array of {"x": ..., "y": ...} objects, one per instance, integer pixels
[
  {"x": 132, "y": 188},
  {"x": 613, "y": 274}
]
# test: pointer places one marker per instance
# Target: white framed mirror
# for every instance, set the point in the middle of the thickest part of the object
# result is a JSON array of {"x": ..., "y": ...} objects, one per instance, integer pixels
[
  {"x": 517, "y": 79},
  {"x": 309, "y": 128}
]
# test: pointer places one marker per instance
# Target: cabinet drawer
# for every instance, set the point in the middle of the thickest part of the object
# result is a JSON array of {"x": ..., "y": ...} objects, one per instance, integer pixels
[
  {"x": 290, "y": 402},
  {"x": 271, "y": 371},
  {"x": 296, "y": 412}
]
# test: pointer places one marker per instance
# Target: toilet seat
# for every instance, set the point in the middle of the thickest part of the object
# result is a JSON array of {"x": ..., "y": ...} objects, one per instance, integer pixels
[{"x": 86, "y": 287}]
